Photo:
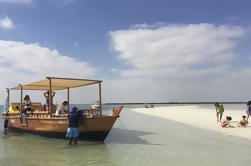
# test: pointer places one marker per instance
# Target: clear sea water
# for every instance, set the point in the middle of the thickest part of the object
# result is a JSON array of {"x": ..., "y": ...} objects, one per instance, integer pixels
[{"x": 135, "y": 140}]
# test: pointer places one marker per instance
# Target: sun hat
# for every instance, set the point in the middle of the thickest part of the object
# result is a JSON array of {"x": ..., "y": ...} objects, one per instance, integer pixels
[{"x": 73, "y": 109}]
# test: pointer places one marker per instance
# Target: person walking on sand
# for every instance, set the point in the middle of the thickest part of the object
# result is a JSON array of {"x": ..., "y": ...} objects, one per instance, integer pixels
[
  {"x": 248, "y": 109},
  {"x": 226, "y": 122},
  {"x": 219, "y": 111},
  {"x": 73, "y": 122}
]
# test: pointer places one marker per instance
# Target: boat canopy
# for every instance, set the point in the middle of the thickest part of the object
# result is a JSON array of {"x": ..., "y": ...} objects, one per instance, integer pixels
[{"x": 56, "y": 84}]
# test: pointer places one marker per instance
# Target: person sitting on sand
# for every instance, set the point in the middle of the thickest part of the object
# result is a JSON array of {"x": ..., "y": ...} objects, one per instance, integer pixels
[
  {"x": 226, "y": 122},
  {"x": 219, "y": 111},
  {"x": 248, "y": 109},
  {"x": 149, "y": 106},
  {"x": 243, "y": 122}
]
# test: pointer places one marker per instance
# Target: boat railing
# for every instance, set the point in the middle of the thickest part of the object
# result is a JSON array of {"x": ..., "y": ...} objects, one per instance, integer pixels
[
  {"x": 45, "y": 114},
  {"x": 40, "y": 114},
  {"x": 92, "y": 112},
  {"x": 34, "y": 105}
]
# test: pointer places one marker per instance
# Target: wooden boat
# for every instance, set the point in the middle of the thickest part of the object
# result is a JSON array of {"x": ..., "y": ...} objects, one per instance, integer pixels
[{"x": 93, "y": 126}]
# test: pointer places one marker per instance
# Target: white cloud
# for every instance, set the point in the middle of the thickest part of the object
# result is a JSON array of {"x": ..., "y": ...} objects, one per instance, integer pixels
[
  {"x": 230, "y": 86},
  {"x": 114, "y": 70},
  {"x": 176, "y": 50},
  {"x": 17, "y": 1},
  {"x": 6, "y": 23},
  {"x": 24, "y": 63},
  {"x": 195, "y": 62}
]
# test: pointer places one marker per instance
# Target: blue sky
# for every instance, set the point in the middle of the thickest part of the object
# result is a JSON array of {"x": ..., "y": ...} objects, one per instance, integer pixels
[{"x": 115, "y": 39}]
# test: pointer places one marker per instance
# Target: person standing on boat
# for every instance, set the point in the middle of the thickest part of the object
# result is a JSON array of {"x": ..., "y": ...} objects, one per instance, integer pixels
[
  {"x": 27, "y": 104},
  {"x": 62, "y": 109},
  {"x": 46, "y": 95},
  {"x": 73, "y": 122}
]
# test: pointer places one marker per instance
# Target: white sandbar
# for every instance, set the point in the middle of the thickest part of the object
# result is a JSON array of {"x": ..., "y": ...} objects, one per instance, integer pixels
[{"x": 204, "y": 118}]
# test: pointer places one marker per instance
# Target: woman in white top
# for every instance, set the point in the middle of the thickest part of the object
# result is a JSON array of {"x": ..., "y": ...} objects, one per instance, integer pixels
[
  {"x": 27, "y": 104},
  {"x": 62, "y": 109}
]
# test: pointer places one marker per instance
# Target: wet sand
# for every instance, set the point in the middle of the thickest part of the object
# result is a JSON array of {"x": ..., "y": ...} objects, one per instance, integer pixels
[{"x": 204, "y": 118}]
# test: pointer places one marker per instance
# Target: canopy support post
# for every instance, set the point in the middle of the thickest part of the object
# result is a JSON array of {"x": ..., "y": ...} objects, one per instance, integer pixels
[
  {"x": 100, "y": 99},
  {"x": 8, "y": 100},
  {"x": 50, "y": 99},
  {"x": 68, "y": 99},
  {"x": 21, "y": 97}
]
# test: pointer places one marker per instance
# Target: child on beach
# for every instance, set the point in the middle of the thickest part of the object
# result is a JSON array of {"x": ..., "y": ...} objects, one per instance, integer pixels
[
  {"x": 243, "y": 122},
  {"x": 226, "y": 122},
  {"x": 219, "y": 111}
]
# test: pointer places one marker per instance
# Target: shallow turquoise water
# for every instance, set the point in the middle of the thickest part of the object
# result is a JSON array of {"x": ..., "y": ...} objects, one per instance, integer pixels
[{"x": 134, "y": 140}]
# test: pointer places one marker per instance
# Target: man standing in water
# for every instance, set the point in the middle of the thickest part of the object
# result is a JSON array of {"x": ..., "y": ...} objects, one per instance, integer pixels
[
  {"x": 5, "y": 124},
  {"x": 219, "y": 111},
  {"x": 73, "y": 120}
]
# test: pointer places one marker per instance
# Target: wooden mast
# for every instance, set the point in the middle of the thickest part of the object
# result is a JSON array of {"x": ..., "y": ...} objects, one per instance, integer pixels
[
  {"x": 8, "y": 100},
  {"x": 50, "y": 99},
  {"x": 68, "y": 99},
  {"x": 21, "y": 97},
  {"x": 100, "y": 99}
]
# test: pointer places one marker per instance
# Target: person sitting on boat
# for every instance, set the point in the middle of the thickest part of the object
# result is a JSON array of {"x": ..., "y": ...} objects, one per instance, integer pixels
[
  {"x": 73, "y": 123},
  {"x": 27, "y": 104},
  {"x": 243, "y": 122},
  {"x": 62, "y": 109},
  {"x": 47, "y": 96}
]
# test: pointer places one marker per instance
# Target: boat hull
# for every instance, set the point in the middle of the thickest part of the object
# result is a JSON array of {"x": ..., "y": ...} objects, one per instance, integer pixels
[
  {"x": 90, "y": 136},
  {"x": 95, "y": 128}
]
